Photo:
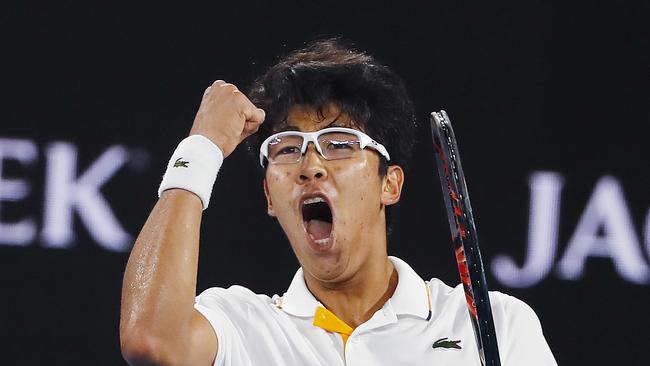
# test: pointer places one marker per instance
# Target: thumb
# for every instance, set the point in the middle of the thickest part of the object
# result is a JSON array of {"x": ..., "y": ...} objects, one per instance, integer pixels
[{"x": 254, "y": 119}]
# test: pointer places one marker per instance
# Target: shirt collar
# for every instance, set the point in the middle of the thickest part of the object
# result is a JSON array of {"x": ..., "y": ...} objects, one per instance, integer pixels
[
  {"x": 298, "y": 300},
  {"x": 411, "y": 296}
]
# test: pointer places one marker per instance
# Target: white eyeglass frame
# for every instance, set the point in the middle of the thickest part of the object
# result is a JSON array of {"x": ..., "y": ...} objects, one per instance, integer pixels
[{"x": 307, "y": 137}]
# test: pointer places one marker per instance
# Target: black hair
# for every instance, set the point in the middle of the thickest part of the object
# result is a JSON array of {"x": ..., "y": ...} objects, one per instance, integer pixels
[{"x": 329, "y": 72}]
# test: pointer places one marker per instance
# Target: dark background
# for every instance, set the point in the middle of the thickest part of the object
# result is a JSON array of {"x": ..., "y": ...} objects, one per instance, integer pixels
[{"x": 531, "y": 86}]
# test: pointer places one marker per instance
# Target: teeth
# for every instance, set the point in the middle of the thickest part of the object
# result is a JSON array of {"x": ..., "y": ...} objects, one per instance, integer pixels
[
  {"x": 322, "y": 241},
  {"x": 309, "y": 201}
]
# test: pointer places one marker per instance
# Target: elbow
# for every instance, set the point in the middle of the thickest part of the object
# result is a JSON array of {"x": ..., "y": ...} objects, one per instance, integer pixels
[{"x": 146, "y": 350}]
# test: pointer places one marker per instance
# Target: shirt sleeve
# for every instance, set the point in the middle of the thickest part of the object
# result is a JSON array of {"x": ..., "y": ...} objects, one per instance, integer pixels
[
  {"x": 227, "y": 311},
  {"x": 519, "y": 333}
]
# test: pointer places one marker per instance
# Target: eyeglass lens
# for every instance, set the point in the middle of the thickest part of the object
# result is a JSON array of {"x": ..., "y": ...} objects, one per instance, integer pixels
[{"x": 334, "y": 145}]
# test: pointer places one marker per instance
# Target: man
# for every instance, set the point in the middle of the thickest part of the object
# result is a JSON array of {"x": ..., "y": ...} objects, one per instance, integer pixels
[{"x": 337, "y": 130}]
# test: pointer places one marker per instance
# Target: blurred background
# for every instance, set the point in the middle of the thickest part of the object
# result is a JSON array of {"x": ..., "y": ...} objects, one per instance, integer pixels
[{"x": 550, "y": 105}]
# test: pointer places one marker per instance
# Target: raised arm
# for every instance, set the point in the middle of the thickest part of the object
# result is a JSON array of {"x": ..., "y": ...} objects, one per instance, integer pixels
[{"x": 158, "y": 324}]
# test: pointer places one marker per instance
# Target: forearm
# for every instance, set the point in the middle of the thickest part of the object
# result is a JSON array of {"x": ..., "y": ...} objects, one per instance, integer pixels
[{"x": 160, "y": 280}]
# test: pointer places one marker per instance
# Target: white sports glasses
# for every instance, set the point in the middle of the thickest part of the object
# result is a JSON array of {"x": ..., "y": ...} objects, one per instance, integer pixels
[{"x": 332, "y": 143}]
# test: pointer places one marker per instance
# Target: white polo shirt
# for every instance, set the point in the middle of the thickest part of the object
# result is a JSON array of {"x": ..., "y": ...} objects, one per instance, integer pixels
[{"x": 412, "y": 328}]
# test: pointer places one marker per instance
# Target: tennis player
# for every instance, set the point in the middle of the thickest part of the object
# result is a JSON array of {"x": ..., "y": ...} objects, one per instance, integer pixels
[{"x": 334, "y": 130}]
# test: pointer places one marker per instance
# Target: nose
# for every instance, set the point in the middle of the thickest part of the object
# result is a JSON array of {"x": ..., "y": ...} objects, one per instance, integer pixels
[{"x": 311, "y": 166}]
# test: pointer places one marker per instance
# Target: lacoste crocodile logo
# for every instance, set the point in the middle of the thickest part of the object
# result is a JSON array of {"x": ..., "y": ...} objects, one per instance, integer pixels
[
  {"x": 181, "y": 163},
  {"x": 445, "y": 343}
]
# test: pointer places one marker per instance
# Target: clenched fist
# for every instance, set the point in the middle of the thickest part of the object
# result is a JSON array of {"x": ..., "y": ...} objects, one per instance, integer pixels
[{"x": 226, "y": 116}]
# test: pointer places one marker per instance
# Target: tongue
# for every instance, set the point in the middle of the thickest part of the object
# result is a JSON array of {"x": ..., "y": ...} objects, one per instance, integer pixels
[{"x": 319, "y": 229}]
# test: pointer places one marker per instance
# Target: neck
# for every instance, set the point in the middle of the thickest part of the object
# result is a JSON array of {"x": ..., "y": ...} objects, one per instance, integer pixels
[{"x": 356, "y": 299}]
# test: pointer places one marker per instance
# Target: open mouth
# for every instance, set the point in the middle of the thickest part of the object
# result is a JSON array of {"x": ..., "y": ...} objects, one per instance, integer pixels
[{"x": 317, "y": 218}]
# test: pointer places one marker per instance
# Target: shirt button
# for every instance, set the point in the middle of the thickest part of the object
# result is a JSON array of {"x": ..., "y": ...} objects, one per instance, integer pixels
[{"x": 355, "y": 339}]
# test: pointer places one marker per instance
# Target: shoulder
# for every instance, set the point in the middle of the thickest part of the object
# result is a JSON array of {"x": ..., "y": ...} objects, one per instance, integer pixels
[
  {"x": 510, "y": 308},
  {"x": 513, "y": 318},
  {"x": 233, "y": 312},
  {"x": 235, "y": 291},
  {"x": 232, "y": 297},
  {"x": 503, "y": 306}
]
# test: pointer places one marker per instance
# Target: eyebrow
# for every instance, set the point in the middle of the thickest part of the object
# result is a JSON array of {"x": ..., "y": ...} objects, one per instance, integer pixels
[
  {"x": 294, "y": 128},
  {"x": 286, "y": 128}
]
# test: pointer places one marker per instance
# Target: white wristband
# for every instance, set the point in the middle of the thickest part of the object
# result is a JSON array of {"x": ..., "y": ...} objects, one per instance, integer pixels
[{"x": 193, "y": 167}]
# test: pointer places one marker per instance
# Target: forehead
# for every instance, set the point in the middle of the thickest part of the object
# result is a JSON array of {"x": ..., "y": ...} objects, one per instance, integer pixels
[{"x": 307, "y": 119}]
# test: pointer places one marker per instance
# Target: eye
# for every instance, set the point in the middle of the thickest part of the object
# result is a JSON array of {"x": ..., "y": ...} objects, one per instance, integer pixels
[
  {"x": 288, "y": 150},
  {"x": 340, "y": 145}
]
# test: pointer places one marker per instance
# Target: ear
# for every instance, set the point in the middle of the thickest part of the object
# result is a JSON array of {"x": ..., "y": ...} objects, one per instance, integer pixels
[
  {"x": 269, "y": 203},
  {"x": 391, "y": 189}
]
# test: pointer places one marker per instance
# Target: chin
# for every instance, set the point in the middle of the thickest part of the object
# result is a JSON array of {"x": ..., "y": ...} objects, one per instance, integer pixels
[{"x": 330, "y": 266}]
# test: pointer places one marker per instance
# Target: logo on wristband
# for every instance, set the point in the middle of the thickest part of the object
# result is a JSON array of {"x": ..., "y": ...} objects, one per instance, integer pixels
[{"x": 181, "y": 163}]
